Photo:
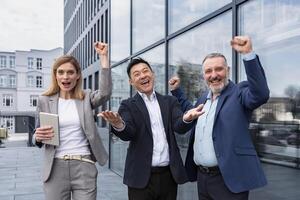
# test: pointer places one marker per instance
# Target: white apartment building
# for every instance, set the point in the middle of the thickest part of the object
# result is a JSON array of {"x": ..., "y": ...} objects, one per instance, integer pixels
[{"x": 24, "y": 75}]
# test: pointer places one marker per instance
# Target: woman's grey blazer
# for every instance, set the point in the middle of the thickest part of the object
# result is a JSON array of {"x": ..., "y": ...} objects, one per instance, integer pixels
[{"x": 85, "y": 108}]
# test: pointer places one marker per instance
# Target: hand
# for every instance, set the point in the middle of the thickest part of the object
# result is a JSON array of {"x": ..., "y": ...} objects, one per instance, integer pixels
[
  {"x": 113, "y": 118},
  {"x": 44, "y": 133},
  {"x": 193, "y": 113},
  {"x": 101, "y": 48},
  {"x": 241, "y": 44},
  {"x": 174, "y": 83}
]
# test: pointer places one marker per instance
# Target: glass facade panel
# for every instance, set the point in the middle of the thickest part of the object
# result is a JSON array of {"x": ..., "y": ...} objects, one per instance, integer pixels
[
  {"x": 275, "y": 29},
  {"x": 121, "y": 90},
  {"x": 148, "y": 23},
  {"x": 182, "y": 13},
  {"x": 120, "y": 30},
  {"x": 213, "y": 36}
]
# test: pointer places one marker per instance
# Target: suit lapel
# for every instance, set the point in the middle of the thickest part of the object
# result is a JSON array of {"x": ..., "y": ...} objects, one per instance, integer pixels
[
  {"x": 223, "y": 98},
  {"x": 53, "y": 104},
  {"x": 202, "y": 99},
  {"x": 80, "y": 110},
  {"x": 139, "y": 102}
]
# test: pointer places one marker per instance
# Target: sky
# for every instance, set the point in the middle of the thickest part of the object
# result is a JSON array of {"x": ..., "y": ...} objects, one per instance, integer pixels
[{"x": 31, "y": 24}]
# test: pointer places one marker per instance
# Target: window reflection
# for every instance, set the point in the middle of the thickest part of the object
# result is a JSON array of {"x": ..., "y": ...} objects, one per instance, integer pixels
[
  {"x": 120, "y": 29},
  {"x": 213, "y": 36},
  {"x": 120, "y": 92},
  {"x": 156, "y": 59},
  {"x": 275, "y": 29},
  {"x": 182, "y": 13},
  {"x": 148, "y": 22}
]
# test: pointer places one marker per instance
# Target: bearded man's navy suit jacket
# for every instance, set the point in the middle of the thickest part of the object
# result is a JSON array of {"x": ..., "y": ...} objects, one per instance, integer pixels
[{"x": 237, "y": 159}]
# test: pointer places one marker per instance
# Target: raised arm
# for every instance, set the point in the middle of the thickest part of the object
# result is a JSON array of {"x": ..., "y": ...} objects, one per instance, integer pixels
[
  {"x": 255, "y": 91},
  {"x": 102, "y": 95},
  {"x": 176, "y": 91}
]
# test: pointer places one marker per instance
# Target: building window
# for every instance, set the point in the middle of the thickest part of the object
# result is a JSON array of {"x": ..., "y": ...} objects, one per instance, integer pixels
[
  {"x": 12, "y": 81},
  {"x": 84, "y": 83},
  {"x": 2, "y": 61},
  {"x": 39, "y": 63},
  {"x": 8, "y": 81},
  {"x": 96, "y": 81},
  {"x": 7, "y": 100},
  {"x": 39, "y": 82},
  {"x": 90, "y": 82},
  {"x": 30, "y": 81},
  {"x": 30, "y": 63},
  {"x": 33, "y": 100},
  {"x": 155, "y": 12},
  {"x": 3, "y": 80},
  {"x": 12, "y": 61},
  {"x": 7, "y": 122}
]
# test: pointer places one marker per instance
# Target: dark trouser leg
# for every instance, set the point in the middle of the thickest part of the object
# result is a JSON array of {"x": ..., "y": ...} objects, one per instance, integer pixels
[
  {"x": 201, "y": 186},
  {"x": 161, "y": 186},
  {"x": 168, "y": 186},
  {"x": 212, "y": 187}
]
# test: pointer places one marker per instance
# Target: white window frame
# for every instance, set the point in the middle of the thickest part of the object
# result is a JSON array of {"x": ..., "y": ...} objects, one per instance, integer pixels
[
  {"x": 30, "y": 62},
  {"x": 2, "y": 61},
  {"x": 12, "y": 61},
  {"x": 12, "y": 80},
  {"x": 8, "y": 99},
  {"x": 39, "y": 81},
  {"x": 3, "y": 80},
  {"x": 39, "y": 63},
  {"x": 33, "y": 100},
  {"x": 30, "y": 81},
  {"x": 7, "y": 122}
]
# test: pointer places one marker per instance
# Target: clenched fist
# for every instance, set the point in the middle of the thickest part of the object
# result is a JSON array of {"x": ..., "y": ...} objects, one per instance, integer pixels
[
  {"x": 241, "y": 44},
  {"x": 101, "y": 48},
  {"x": 174, "y": 83}
]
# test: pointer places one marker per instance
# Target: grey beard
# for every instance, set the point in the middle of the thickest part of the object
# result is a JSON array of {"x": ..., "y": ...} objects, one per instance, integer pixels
[{"x": 219, "y": 90}]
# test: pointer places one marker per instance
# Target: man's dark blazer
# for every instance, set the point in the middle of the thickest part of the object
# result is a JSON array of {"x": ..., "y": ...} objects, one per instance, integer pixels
[
  {"x": 237, "y": 159},
  {"x": 138, "y": 131}
]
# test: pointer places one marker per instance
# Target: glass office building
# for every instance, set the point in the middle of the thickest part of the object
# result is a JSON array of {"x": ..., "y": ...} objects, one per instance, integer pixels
[{"x": 175, "y": 35}]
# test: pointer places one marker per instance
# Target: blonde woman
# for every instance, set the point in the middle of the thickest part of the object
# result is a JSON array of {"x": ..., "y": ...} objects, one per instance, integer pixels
[{"x": 69, "y": 169}]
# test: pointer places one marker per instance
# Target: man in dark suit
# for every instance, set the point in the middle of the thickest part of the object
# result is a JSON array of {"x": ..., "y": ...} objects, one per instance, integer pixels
[
  {"x": 221, "y": 155},
  {"x": 148, "y": 120}
]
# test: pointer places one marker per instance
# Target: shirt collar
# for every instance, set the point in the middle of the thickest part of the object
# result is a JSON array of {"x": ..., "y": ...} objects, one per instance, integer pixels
[
  {"x": 209, "y": 95},
  {"x": 146, "y": 98}
]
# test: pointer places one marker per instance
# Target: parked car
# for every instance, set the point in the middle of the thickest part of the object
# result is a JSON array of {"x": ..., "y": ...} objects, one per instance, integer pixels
[
  {"x": 270, "y": 140},
  {"x": 293, "y": 139}
]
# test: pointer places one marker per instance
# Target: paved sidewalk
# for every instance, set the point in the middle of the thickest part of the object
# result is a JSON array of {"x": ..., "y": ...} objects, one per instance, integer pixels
[
  {"x": 20, "y": 174},
  {"x": 20, "y": 170}
]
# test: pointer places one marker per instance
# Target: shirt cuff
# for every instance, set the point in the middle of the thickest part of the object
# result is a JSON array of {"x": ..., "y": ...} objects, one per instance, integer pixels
[
  {"x": 186, "y": 121},
  {"x": 249, "y": 56},
  {"x": 120, "y": 129}
]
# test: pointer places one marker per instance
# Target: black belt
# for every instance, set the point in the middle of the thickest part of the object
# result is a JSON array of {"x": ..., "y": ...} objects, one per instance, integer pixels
[
  {"x": 160, "y": 169},
  {"x": 209, "y": 170}
]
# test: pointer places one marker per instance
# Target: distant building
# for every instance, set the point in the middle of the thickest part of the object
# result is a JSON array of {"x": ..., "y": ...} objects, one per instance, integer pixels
[
  {"x": 24, "y": 75},
  {"x": 85, "y": 22}
]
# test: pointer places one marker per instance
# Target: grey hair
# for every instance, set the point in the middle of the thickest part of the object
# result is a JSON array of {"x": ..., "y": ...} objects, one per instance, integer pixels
[{"x": 215, "y": 55}]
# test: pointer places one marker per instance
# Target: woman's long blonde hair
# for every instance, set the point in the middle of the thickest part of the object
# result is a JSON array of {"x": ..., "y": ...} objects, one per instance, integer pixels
[{"x": 77, "y": 92}]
